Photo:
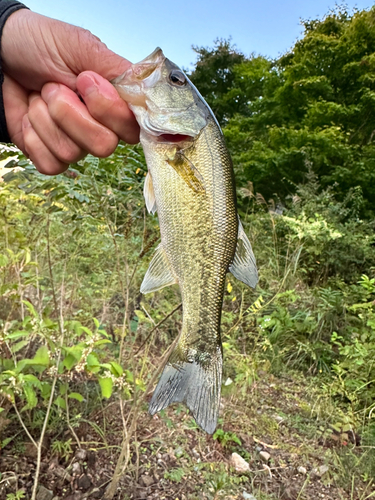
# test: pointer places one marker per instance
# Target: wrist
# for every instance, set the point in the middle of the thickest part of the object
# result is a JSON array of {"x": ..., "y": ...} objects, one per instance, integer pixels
[{"x": 11, "y": 15}]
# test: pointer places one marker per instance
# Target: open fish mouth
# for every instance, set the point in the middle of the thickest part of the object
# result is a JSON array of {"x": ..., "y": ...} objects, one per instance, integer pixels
[{"x": 174, "y": 138}]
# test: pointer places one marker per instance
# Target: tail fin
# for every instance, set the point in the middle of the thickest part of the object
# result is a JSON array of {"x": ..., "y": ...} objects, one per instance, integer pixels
[{"x": 195, "y": 383}]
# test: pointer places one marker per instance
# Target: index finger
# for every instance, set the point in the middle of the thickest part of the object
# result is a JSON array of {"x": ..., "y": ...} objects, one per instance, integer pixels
[{"x": 107, "y": 107}]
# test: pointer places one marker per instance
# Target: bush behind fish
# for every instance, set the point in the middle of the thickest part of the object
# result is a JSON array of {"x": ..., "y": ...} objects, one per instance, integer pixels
[{"x": 190, "y": 183}]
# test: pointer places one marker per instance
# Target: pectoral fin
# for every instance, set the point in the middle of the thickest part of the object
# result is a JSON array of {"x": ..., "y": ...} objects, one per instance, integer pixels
[
  {"x": 185, "y": 168},
  {"x": 244, "y": 266},
  {"x": 149, "y": 194},
  {"x": 159, "y": 274}
]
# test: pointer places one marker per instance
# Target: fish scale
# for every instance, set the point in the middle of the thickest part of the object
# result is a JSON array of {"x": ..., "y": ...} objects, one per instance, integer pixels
[{"x": 191, "y": 185}]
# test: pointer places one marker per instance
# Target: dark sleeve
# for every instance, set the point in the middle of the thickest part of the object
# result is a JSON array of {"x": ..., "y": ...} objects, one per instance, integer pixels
[{"x": 7, "y": 7}]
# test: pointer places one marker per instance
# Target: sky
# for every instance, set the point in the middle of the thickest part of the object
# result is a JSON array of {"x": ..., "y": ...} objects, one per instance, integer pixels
[{"x": 134, "y": 28}]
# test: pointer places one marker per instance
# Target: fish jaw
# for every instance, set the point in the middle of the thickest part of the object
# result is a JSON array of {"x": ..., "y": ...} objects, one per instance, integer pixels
[
  {"x": 161, "y": 107},
  {"x": 131, "y": 84}
]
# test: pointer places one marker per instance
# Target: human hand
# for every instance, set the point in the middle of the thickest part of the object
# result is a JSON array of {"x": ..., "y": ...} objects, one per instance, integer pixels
[{"x": 45, "y": 63}]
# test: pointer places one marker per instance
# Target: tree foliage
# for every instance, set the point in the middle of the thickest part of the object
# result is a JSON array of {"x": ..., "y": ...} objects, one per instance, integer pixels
[{"x": 313, "y": 107}]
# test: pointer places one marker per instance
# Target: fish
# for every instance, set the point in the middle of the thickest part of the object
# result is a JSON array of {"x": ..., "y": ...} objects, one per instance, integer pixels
[{"x": 190, "y": 184}]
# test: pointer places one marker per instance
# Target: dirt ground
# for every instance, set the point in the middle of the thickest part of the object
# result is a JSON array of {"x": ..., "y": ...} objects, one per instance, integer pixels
[{"x": 292, "y": 453}]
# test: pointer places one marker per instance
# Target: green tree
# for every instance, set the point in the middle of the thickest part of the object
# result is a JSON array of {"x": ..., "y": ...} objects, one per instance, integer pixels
[
  {"x": 314, "y": 107},
  {"x": 213, "y": 75}
]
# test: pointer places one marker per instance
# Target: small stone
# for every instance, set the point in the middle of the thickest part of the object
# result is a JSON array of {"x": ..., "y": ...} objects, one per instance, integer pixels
[
  {"x": 76, "y": 469},
  {"x": 81, "y": 454},
  {"x": 63, "y": 474},
  {"x": 30, "y": 451},
  {"x": 302, "y": 470},
  {"x": 76, "y": 496},
  {"x": 44, "y": 494},
  {"x": 97, "y": 493},
  {"x": 84, "y": 482},
  {"x": 239, "y": 463},
  {"x": 146, "y": 480},
  {"x": 265, "y": 456},
  {"x": 248, "y": 496},
  {"x": 279, "y": 419},
  {"x": 91, "y": 459},
  {"x": 320, "y": 471}
]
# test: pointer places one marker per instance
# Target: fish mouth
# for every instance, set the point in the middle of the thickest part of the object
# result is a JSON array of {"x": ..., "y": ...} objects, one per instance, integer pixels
[{"x": 174, "y": 138}]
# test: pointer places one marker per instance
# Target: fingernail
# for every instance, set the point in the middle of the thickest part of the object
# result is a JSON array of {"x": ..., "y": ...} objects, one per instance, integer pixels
[
  {"x": 49, "y": 90},
  {"x": 26, "y": 122},
  {"x": 87, "y": 85}
]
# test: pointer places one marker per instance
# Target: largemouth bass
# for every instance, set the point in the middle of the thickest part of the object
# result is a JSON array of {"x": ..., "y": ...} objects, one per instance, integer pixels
[{"x": 190, "y": 184}]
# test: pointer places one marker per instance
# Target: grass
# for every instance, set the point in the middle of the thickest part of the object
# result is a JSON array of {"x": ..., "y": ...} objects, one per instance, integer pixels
[{"x": 75, "y": 266}]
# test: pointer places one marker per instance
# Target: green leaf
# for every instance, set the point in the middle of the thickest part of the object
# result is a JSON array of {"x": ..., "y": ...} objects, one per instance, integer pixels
[
  {"x": 102, "y": 342},
  {"x": 69, "y": 361},
  {"x": 77, "y": 396},
  {"x": 27, "y": 256},
  {"x": 7, "y": 441},
  {"x": 32, "y": 379},
  {"x": 31, "y": 308},
  {"x": 3, "y": 260},
  {"x": 16, "y": 335},
  {"x": 60, "y": 402},
  {"x": 92, "y": 363},
  {"x": 63, "y": 389},
  {"x": 46, "y": 390},
  {"x": 116, "y": 369},
  {"x": 31, "y": 397},
  {"x": 42, "y": 356},
  {"x": 18, "y": 346},
  {"x": 106, "y": 385}
]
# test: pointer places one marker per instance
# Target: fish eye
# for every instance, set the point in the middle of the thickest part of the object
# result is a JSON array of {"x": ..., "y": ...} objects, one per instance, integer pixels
[{"x": 177, "y": 77}]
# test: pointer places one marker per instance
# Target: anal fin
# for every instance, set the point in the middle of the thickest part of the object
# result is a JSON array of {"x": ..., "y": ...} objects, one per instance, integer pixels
[
  {"x": 159, "y": 274},
  {"x": 244, "y": 266}
]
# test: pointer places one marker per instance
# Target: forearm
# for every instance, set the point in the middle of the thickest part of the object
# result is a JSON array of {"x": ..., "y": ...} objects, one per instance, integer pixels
[{"x": 7, "y": 7}]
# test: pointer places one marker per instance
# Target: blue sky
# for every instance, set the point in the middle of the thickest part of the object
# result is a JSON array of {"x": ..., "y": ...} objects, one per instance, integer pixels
[{"x": 134, "y": 28}]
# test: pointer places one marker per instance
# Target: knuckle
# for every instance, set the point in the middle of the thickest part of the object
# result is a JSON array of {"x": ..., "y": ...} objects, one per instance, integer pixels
[
  {"x": 36, "y": 110},
  {"x": 58, "y": 109},
  {"x": 67, "y": 153},
  {"x": 104, "y": 144},
  {"x": 52, "y": 166},
  {"x": 132, "y": 136}
]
